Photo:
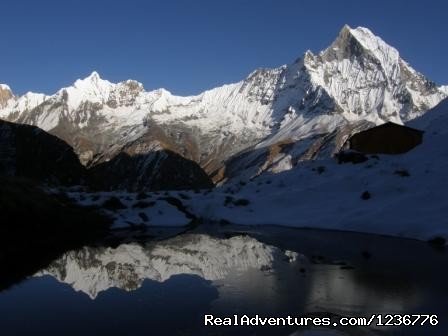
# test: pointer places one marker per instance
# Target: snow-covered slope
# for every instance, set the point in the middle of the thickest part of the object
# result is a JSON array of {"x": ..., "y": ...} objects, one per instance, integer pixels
[
  {"x": 406, "y": 195},
  {"x": 93, "y": 270},
  {"x": 402, "y": 195},
  {"x": 368, "y": 78},
  {"x": 358, "y": 78}
]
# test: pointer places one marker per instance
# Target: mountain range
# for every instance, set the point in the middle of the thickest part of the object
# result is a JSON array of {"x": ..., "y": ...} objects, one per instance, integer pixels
[{"x": 269, "y": 121}]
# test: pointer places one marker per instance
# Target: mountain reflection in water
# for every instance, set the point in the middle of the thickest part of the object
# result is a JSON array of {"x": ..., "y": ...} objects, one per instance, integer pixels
[
  {"x": 170, "y": 284},
  {"x": 93, "y": 270}
]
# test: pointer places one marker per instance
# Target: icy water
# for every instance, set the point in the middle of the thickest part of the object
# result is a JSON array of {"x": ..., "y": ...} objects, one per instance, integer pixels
[{"x": 143, "y": 286}]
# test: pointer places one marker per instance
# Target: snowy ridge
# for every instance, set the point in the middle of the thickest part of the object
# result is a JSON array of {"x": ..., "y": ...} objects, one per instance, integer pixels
[
  {"x": 30, "y": 100},
  {"x": 387, "y": 55},
  {"x": 93, "y": 270},
  {"x": 358, "y": 78},
  {"x": 368, "y": 79},
  {"x": 408, "y": 193},
  {"x": 22, "y": 105},
  {"x": 92, "y": 89}
]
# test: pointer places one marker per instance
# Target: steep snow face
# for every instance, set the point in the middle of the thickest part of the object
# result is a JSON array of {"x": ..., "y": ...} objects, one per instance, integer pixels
[
  {"x": 93, "y": 270},
  {"x": 387, "y": 55},
  {"x": 369, "y": 80},
  {"x": 29, "y": 101},
  {"x": 358, "y": 78},
  {"x": 92, "y": 89}
]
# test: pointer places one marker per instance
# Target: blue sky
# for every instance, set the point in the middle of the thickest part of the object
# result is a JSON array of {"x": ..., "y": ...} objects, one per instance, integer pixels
[{"x": 189, "y": 46}]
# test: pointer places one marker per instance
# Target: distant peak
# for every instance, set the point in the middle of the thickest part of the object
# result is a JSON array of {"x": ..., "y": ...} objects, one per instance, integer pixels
[
  {"x": 359, "y": 33},
  {"x": 346, "y": 27},
  {"x": 94, "y": 76},
  {"x": 5, "y": 94},
  {"x": 93, "y": 80},
  {"x": 5, "y": 87},
  {"x": 358, "y": 42}
]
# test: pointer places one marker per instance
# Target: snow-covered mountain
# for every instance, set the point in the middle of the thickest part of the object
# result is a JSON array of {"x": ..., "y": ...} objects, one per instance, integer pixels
[
  {"x": 93, "y": 270},
  {"x": 403, "y": 195},
  {"x": 359, "y": 80}
]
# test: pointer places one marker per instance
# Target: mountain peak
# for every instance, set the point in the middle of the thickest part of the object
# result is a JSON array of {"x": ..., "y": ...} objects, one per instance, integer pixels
[
  {"x": 5, "y": 87},
  {"x": 362, "y": 34},
  {"x": 5, "y": 95},
  {"x": 92, "y": 88},
  {"x": 345, "y": 28},
  {"x": 93, "y": 82},
  {"x": 94, "y": 76},
  {"x": 362, "y": 42}
]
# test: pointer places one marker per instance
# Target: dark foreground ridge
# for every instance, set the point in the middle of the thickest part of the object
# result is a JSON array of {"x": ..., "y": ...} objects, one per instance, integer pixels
[
  {"x": 29, "y": 152},
  {"x": 32, "y": 221}
]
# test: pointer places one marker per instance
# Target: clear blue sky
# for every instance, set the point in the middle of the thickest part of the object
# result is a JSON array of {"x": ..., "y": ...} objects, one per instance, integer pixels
[{"x": 188, "y": 46}]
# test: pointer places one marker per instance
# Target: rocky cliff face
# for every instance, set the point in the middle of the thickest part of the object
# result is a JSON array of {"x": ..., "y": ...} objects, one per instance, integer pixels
[
  {"x": 358, "y": 78},
  {"x": 5, "y": 95}
]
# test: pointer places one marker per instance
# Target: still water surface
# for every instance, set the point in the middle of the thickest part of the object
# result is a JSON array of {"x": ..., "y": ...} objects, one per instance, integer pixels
[{"x": 165, "y": 286}]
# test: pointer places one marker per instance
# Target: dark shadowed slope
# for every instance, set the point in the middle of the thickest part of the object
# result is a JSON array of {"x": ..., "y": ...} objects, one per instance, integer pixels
[{"x": 27, "y": 151}]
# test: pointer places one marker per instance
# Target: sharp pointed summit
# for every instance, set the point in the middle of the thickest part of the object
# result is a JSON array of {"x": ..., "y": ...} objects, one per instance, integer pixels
[
  {"x": 358, "y": 79},
  {"x": 361, "y": 42},
  {"x": 94, "y": 78},
  {"x": 94, "y": 75}
]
